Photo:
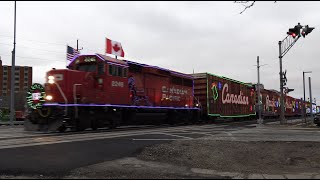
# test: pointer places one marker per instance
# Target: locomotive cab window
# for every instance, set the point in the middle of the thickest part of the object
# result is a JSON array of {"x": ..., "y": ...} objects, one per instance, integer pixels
[
  {"x": 92, "y": 67},
  {"x": 101, "y": 68},
  {"x": 125, "y": 72},
  {"x": 118, "y": 71},
  {"x": 113, "y": 70}
]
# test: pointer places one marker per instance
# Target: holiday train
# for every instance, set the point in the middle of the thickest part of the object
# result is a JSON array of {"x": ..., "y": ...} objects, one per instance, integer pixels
[{"x": 97, "y": 91}]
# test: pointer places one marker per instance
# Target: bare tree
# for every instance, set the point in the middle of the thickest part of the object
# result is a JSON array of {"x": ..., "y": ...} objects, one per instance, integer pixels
[{"x": 247, "y": 4}]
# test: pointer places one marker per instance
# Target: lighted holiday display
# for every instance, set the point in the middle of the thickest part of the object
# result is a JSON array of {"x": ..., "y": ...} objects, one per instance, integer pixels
[{"x": 36, "y": 96}]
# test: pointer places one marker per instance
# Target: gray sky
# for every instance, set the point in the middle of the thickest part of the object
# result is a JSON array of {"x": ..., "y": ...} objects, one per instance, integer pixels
[{"x": 183, "y": 36}]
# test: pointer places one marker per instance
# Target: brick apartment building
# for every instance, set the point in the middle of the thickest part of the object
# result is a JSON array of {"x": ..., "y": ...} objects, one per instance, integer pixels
[{"x": 22, "y": 82}]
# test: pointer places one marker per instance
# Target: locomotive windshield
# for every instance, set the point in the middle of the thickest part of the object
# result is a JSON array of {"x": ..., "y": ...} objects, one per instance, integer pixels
[{"x": 87, "y": 67}]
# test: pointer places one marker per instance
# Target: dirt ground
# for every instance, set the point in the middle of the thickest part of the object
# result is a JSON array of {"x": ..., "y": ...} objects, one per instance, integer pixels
[{"x": 243, "y": 157}]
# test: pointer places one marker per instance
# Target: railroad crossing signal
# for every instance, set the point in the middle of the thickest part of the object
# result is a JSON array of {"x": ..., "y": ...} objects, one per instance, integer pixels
[
  {"x": 289, "y": 90},
  {"x": 284, "y": 78},
  {"x": 294, "y": 32},
  {"x": 306, "y": 30}
]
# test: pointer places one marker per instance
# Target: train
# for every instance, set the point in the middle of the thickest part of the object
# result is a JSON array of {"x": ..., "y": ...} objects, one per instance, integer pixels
[{"x": 96, "y": 91}]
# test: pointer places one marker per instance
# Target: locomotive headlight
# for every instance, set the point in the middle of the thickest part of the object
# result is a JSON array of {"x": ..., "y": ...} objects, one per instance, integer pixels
[
  {"x": 197, "y": 105},
  {"x": 49, "y": 98},
  {"x": 50, "y": 79}
]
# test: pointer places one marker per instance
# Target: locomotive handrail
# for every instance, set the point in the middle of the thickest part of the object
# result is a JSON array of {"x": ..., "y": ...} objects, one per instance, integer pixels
[
  {"x": 64, "y": 97},
  {"x": 75, "y": 99}
]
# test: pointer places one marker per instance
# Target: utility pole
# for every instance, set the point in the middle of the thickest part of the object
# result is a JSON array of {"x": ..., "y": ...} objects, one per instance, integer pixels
[
  {"x": 260, "y": 120},
  {"x": 304, "y": 97},
  {"x": 311, "y": 112},
  {"x": 282, "y": 118},
  {"x": 304, "y": 101},
  {"x": 12, "y": 110}
]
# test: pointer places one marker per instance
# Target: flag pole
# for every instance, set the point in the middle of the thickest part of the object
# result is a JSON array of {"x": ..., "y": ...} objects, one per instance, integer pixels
[{"x": 67, "y": 57}]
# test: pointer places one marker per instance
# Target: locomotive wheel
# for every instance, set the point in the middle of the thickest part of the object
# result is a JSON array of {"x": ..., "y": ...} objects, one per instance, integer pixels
[
  {"x": 172, "y": 117},
  {"x": 62, "y": 128},
  {"x": 79, "y": 127},
  {"x": 94, "y": 124},
  {"x": 115, "y": 119}
]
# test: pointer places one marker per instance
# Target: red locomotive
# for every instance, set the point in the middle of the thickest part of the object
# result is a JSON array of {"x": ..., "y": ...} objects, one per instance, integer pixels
[{"x": 97, "y": 91}]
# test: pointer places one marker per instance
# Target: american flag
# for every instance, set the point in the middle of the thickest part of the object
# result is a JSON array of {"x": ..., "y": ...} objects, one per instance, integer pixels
[{"x": 71, "y": 52}]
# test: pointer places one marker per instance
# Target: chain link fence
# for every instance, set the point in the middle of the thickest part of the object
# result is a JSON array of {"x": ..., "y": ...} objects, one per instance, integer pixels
[{"x": 20, "y": 106}]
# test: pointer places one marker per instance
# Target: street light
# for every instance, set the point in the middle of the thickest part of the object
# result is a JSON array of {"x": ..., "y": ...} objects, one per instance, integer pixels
[
  {"x": 12, "y": 111},
  {"x": 304, "y": 96}
]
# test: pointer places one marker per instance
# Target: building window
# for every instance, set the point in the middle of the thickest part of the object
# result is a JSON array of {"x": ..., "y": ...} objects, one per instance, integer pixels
[
  {"x": 26, "y": 89},
  {"x": 25, "y": 84},
  {"x": 17, "y": 74},
  {"x": 16, "y": 84},
  {"x": 5, "y": 67},
  {"x": 4, "y": 83},
  {"x": 16, "y": 89},
  {"x": 25, "y": 79},
  {"x": 17, "y": 68},
  {"x": 5, "y": 73},
  {"x": 17, "y": 79},
  {"x": 5, "y": 78}
]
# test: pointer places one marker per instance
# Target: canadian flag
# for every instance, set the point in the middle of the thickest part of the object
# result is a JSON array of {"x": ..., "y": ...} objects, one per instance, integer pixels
[{"x": 114, "y": 47}]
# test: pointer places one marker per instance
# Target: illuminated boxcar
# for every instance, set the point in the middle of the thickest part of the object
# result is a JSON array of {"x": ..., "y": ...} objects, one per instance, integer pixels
[
  {"x": 271, "y": 103},
  {"x": 223, "y": 97}
]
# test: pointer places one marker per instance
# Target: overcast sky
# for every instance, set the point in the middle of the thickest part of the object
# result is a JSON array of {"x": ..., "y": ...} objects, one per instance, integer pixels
[{"x": 183, "y": 36}]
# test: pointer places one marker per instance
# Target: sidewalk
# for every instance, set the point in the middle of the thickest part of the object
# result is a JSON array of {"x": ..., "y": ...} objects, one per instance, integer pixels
[
  {"x": 292, "y": 123},
  {"x": 234, "y": 175},
  {"x": 3, "y": 123}
]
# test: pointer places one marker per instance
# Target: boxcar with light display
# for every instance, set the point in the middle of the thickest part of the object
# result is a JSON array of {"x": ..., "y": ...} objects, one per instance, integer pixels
[{"x": 223, "y": 97}]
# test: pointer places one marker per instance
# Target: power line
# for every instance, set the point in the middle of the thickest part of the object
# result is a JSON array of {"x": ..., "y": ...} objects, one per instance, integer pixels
[
  {"x": 34, "y": 48},
  {"x": 60, "y": 44},
  {"x": 33, "y": 58}
]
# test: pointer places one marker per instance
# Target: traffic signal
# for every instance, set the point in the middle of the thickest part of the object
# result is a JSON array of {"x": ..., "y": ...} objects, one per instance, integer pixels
[{"x": 306, "y": 30}]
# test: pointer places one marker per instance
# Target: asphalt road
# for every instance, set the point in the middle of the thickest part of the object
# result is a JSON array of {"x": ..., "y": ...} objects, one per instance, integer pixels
[
  {"x": 57, "y": 155},
  {"x": 56, "y": 159}
]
